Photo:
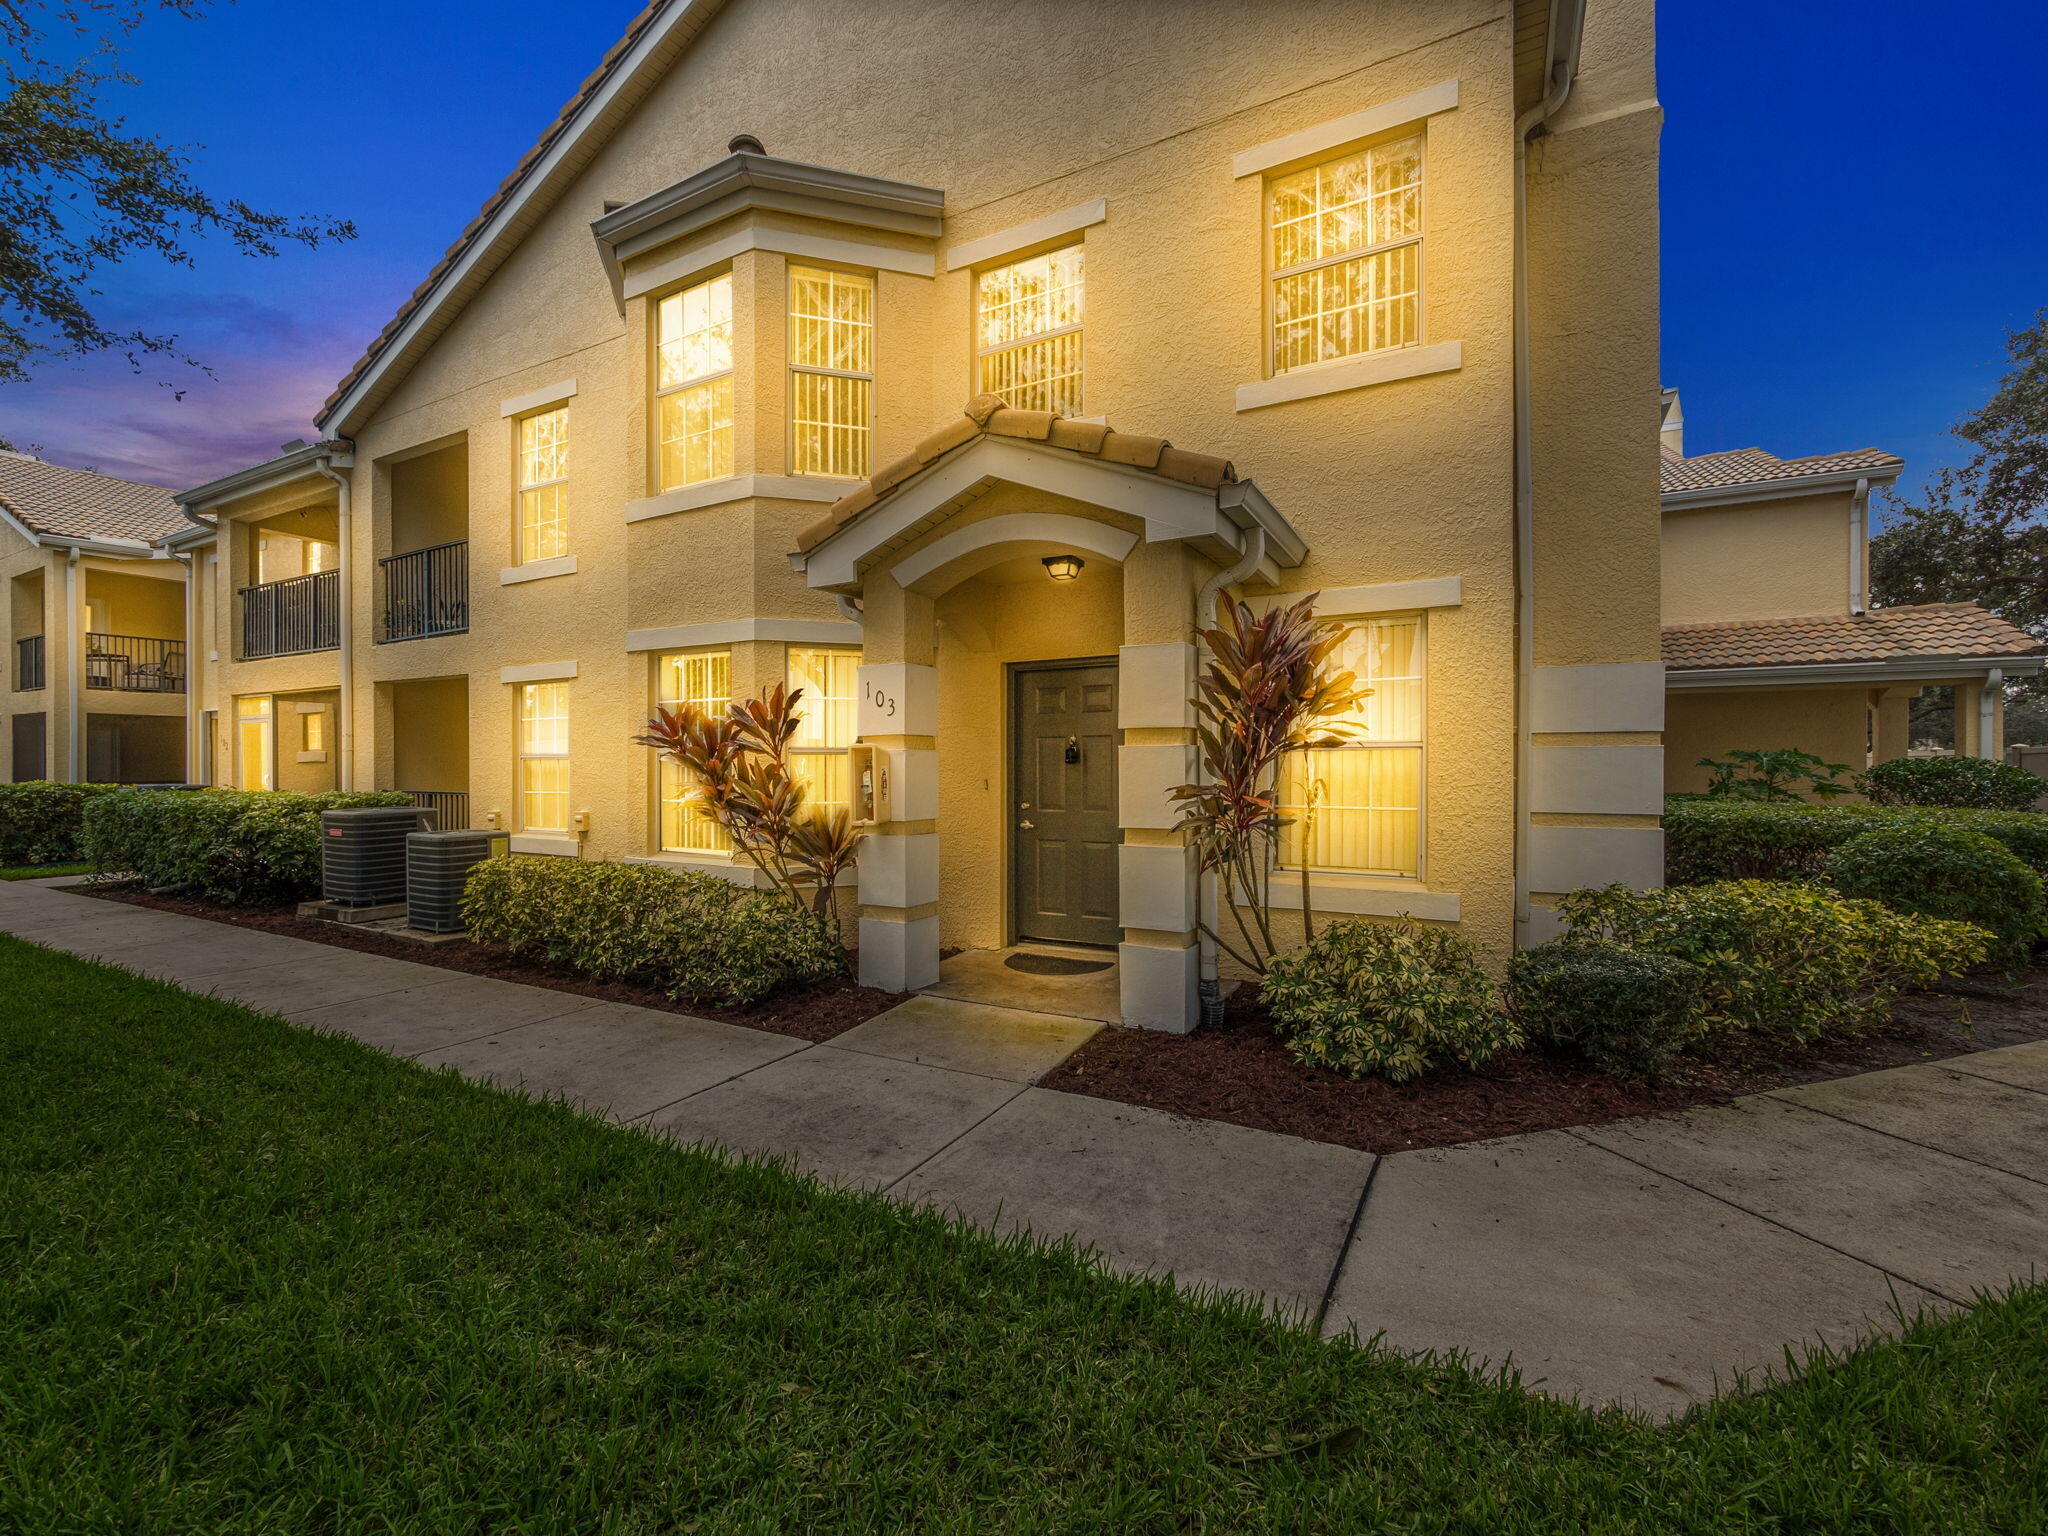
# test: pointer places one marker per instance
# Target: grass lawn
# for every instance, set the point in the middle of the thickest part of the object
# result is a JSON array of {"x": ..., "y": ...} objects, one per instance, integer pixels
[
  {"x": 255, "y": 1279},
  {"x": 43, "y": 871}
]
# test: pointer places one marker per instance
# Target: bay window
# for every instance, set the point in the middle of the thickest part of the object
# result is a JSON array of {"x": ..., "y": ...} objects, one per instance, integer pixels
[
  {"x": 1345, "y": 255},
  {"x": 1357, "y": 808},
  {"x": 704, "y": 679},
  {"x": 693, "y": 384},
  {"x": 1028, "y": 320},
  {"x": 827, "y": 724},
  {"x": 831, "y": 371}
]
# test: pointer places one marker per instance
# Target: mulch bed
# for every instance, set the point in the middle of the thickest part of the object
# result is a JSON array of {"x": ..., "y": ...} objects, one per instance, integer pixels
[
  {"x": 1240, "y": 1073},
  {"x": 812, "y": 1013}
]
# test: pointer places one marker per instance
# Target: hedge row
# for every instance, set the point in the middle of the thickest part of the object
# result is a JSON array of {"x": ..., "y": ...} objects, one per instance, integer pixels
[
  {"x": 44, "y": 823},
  {"x": 237, "y": 847},
  {"x": 1708, "y": 839}
]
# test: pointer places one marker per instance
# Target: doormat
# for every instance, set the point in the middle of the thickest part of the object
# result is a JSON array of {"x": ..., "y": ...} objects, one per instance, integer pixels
[{"x": 1056, "y": 965}]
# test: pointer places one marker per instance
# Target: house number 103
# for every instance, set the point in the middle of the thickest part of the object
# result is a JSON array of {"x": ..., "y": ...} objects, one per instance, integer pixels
[{"x": 880, "y": 701}]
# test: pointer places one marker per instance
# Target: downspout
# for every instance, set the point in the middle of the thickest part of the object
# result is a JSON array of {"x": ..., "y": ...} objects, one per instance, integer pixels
[
  {"x": 73, "y": 665},
  {"x": 346, "y": 726},
  {"x": 1994, "y": 680},
  {"x": 1859, "y": 546},
  {"x": 190, "y": 561},
  {"x": 849, "y": 607},
  {"x": 1208, "y": 919},
  {"x": 1567, "y": 18}
]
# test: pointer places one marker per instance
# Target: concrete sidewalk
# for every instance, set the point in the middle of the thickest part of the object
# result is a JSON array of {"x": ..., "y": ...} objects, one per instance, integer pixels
[{"x": 1646, "y": 1262}]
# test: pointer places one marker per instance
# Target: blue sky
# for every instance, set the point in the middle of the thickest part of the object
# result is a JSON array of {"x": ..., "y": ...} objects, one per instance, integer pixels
[{"x": 1852, "y": 211}]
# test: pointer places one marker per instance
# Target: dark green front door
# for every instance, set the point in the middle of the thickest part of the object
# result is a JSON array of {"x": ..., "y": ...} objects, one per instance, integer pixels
[{"x": 1063, "y": 807}]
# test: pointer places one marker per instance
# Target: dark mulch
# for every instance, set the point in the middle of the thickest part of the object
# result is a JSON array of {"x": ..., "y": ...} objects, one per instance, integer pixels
[
  {"x": 811, "y": 1013},
  {"x": 1241, "y": 1073}
]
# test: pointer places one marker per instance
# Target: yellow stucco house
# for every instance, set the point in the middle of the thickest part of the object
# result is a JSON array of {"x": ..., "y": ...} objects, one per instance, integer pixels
[
  {"x": 94, "y": 627},
  {"x": 1769, "y": 637}
]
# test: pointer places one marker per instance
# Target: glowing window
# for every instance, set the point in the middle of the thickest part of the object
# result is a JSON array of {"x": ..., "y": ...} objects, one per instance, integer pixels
[
  {"x": 693, "y": 383},
  {"x": 1346, "y": 255},
  {"x": 544, "y": 757},
  {"x": 831, "y": 371},
  {"x": 1029, "y": 319},
  {"x": 313, "y": 732},
  {"x": 1358, "y": 808},
  {"x": 543, "y": 485},
  {"x": 702, "y": 678},
  {"x": 827, "y": 715},
  {"x": 253, "y": 743}
]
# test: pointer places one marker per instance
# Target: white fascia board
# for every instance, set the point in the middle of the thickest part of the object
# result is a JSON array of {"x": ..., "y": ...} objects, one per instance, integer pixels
[
  {"x": 605, "y": 103},
  {"x": 1876, "y": 673},
  {"x": 271, "y": 473},
  {"x": 683, "y": 637},
  {"x": 538, "y": 672},
  {"x": 1429, "y": 101},
  {"x": 1775, "y": 490},
  {"x": 1019, "y": 237}
]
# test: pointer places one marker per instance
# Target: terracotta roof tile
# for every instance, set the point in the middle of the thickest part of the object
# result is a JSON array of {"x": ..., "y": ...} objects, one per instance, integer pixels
[
  {"x": 78, "y": 504},
  {"x": 990, "y": 416},
  {"x": 1883, "y": 634},
  {"x": 1754, "y": 466}
]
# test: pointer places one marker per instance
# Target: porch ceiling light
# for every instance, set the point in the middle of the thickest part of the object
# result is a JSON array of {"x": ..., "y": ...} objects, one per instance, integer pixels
[{"x": 1063, "y": 567}]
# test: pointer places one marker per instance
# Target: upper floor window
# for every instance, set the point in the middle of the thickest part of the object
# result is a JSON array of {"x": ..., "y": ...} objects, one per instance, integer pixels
[
  {"x": 1358, "y": 808},
  {"x": 544, "y": 757},
  {"x": 543, "y": 485},
  {"x": 702, "y": 678},
  {"x": 1028, "y": 315},
  {"x": 1346, "y": 255},
  {"x": 693, "y": 383},
  {"x": 831, "y": 371},
  {"x": 828, "y": 714}
]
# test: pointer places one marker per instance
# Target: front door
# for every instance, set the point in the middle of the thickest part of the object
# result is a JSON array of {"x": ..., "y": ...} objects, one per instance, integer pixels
[{"x": 1063, "y": 776}]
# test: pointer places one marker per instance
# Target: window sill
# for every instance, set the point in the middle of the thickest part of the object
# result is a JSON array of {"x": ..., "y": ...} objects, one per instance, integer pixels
[
  {"x": 312, "y": 757},
  {"x": 1356, "y": 373},
  {"x": 537, "y": 570},
  {"x": 556, "y": 844},
  {"x": 1366, "y": 896},
  {"x": 718, "y": 864},
  {"x": 731, "y": 488}
]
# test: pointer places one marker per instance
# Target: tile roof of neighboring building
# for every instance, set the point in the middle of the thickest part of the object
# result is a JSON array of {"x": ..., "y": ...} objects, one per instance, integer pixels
[
  {"x": 78, "y": 504},
  {"x": 1754, "y": 466},
  {"x": 1883, "y": 634},
  {"x": 992, "y": 416}
]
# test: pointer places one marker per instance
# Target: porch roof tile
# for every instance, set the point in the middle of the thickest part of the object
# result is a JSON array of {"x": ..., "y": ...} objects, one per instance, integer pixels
[
  {"x": 1960, "y": 630},
  {"x": 991, "y": 416},
  {"x": 65, "y": 503}
]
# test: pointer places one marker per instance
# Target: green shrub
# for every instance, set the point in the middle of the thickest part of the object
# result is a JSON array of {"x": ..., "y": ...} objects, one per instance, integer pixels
[
  {"x": 1934, "y": 871},
  {"x": 1392, "y": 999},
  {"x": 1708, "y": 840},
  {"x": 1952, "y": 781},
  {"x": 42, "y": 822},
  {"x": 694, "y": 936},
  {"x": 238, "y": 847},
  {"x": 1777, "y": 958},
  {"x": 1624, "y": 1010}
]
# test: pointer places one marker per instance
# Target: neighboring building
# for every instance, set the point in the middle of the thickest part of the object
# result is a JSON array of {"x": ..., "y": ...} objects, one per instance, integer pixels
[
  {"x": 1769, "y": 636},
  {"x": 94, "y": 626},
  {"x": 681, "y": 417}
]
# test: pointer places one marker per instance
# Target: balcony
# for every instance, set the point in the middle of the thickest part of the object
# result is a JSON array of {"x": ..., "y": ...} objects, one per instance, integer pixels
[
  {"x": 426, "y": 592},
  {"x": 290, "y": 617},
  {"x": 28, "y": 663},
  {"x": 134, "y": 664}
]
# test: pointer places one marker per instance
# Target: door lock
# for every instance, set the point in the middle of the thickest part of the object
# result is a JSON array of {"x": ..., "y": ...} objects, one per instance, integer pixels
[{"x": 1073, "y": 750}]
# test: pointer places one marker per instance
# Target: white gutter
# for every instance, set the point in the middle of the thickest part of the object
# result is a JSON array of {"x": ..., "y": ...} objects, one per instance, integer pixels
[
  {"x": 73, "y": 658},
  {"x": 1859, "y": 546},
  {"x": 1208, "y": 907},
  {"x": 1994, "y": 680},
  {"x": 344, "y": 777},
  {"x": 192, "y": 710},
  {"x": 1567, "y": 19}
]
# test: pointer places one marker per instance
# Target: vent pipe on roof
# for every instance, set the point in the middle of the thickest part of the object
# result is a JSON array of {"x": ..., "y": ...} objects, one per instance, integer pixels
[
  {"x": 744, "y": 144},
  {"x": 1859, "y": 546}
]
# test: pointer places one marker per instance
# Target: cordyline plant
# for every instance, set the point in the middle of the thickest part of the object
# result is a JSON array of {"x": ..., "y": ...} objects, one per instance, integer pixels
[
  {"x": 1269, "y": 689},
  {"x": 740, "y": 763}
]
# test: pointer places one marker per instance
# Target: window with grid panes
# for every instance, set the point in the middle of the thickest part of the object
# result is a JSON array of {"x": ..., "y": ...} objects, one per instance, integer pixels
[
  {"x": 827, "y": 724},
  {"x": 1358, "y": 808},
  {"x": 544, "y": 757},
  {"x": 702, "y": 678},
  {"x": 1028, "y": 316},
  {"x": 1345, "y": 255},
  {"x": 693, "y": 383},
  {"x": 831, "y": 371},
  {"x": 543, "y": 485}
]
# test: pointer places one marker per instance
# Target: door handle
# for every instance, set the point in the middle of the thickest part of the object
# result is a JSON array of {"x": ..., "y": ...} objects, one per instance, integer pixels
[{"x": 1027, "y": 826}]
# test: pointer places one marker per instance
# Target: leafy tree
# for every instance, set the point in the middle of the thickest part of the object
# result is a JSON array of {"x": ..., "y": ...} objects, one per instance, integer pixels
[{"x": 79, "y": 193}]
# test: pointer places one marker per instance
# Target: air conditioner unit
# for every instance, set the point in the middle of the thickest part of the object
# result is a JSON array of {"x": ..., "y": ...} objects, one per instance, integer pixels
[
  {"x": 437, "y": 866},
  {"x": 362, "y": 853}
]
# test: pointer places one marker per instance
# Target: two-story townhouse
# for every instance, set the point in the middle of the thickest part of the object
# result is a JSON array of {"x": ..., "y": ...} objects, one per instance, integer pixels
[
  {"x": 94, "y": 627},
  {"x": 1770, "y": 638},
  {"x": 947, "y": 362}
]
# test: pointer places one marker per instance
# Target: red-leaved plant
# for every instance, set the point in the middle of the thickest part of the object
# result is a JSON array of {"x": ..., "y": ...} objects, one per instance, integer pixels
[
  {"x": 740, "y": 764},
  {"x": 1268, "y": 689}
]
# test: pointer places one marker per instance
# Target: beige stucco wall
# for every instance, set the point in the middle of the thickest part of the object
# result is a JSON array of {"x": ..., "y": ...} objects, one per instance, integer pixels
[{"x": 1780, "y": 559}]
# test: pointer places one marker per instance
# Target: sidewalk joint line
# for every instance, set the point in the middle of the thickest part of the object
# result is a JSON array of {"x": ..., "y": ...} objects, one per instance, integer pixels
[
  {"x": 1878, "y": 1130},
  {"x": 1980, "y": 1077},
  {"x": 1350, "y": 1238},
  {"x": 1022, "y": 1089},
  {"x": 807, "y": 1045}
]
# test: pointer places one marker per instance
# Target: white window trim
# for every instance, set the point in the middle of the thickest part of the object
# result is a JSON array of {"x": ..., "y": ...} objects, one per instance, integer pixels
[
  {"x": 537, "y": 400},
  {"x": 794, "y": 368},
  {"x": 1318, "y": 142},
  {"x": 694, "y": 858},
  {"x": 996, "y": 249},
  {"x": 1078, "y": 328},
  {"x": 857, "y": 654},
  {"x": 1343, "y": 374},
  {"x": 521, "y": 757},
  {"x": 537, "y": 570},
  {"x": 520, "y": 486},
  {"x": 660, "y": 394}
]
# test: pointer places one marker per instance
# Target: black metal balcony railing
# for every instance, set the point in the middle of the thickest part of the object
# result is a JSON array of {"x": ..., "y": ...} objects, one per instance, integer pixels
[
  {"x": 284, "y": 618},
  {"x": 28, "y": 663},
  {"x": 450, "y": 807},
  {"x": 426, "y": 592},
  {"x": 134, "y": 664}
]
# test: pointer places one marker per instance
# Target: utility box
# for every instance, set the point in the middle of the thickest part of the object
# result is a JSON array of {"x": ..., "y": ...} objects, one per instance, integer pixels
[
  {"x": 362, "y": 853},
  {"x": 437, "y": 866}
]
